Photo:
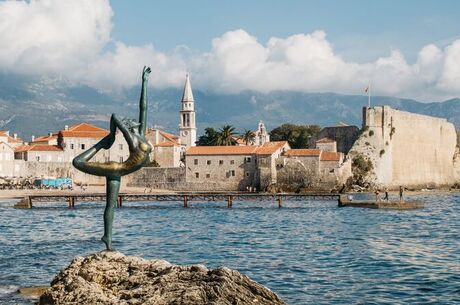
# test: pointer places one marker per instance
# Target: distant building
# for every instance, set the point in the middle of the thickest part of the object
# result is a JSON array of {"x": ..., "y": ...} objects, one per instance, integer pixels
[
  {"x": 312, "y": 168},
  {"x": 261, "y": 135},
  {"x": 6, "y": 158},
  {"x": 50, "y": 139},
  {"x": 166, "y": 151},
  {"x": 187, "y": 127},
  {"x": 13, "y": 141},
  {"x": 39, "y": 153},
  {"x": 235, "y": 167},
  {"x": 326, "y": 144},
  {"x": 66, "y": 144},
  {"x": 344, "y": 135}
]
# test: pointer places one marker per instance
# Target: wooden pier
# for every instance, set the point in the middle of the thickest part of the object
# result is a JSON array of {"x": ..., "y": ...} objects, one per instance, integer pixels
[{"x": 71, "y": 199}]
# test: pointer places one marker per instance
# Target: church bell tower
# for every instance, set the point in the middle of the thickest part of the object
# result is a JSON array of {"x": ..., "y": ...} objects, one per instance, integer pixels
[{"x": 187, "y": 127}]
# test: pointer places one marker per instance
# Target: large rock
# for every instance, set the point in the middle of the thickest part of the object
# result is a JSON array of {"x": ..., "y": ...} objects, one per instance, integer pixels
[{"x": 113, "y": 278}]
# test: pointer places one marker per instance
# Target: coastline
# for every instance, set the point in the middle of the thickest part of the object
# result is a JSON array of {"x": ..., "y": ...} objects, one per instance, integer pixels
[{"x": 19, "y": 194}]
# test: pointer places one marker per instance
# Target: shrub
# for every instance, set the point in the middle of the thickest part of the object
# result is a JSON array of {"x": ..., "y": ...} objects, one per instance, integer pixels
[
  {"x": 371, "y": 133},
  {"x": 382, "y": 152},
  {"x": 367, "y": 143},
  {"x": 362, "y": 165}
]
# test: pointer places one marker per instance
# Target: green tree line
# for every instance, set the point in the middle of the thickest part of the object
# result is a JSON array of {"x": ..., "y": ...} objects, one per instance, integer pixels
[{"x": 297, "y": 135}]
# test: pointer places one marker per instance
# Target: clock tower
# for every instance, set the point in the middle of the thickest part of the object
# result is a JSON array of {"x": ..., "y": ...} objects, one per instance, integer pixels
[{"x": 187, "y": 127}]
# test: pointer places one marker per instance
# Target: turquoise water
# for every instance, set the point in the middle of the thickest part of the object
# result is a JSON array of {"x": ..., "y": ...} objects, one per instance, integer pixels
[{"x": 307, "y": 252}]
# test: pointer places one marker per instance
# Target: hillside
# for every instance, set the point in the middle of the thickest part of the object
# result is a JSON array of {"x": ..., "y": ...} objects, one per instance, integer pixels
[{"x": 38, "y": 106}]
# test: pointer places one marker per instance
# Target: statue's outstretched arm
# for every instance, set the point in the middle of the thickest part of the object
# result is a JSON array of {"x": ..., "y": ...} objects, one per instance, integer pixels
[{"x": 143, "y": 101}]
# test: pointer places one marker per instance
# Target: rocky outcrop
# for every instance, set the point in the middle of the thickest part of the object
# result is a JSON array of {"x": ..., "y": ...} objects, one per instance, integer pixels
[{"x": 113, "y": 278}]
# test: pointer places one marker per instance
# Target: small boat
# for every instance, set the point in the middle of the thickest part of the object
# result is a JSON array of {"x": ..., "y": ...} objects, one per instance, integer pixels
[{"x": 348, "y": 201}]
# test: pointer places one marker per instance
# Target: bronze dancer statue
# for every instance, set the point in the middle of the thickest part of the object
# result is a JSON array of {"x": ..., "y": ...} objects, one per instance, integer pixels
[{"x": 139, "y": 150}]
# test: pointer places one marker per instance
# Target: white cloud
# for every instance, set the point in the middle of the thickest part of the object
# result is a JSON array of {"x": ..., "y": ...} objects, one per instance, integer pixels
[
  {"x": 52, "y": 36},
  {"x": 307, "y": 62},
  {"x": 120, "y": 69},
  {"x": 72, "y": 38}
]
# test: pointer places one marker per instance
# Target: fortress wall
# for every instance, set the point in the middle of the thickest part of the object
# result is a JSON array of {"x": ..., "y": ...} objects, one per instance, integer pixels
[
  {"x": 418, "y": 150},
  {"x": 423, "y": 149},
  {"x": 157, "y": 177}
]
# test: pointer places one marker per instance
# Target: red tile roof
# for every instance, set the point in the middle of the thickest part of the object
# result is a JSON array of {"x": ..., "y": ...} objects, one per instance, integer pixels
[
  {"x": 330, "y": 156},
  {"x": 167, "y": 144},
  {"x": 84, "y": 130},
  {"x": 44, "y": 138},
  {"x": 221, "y": 150},
  {"x": 169, "y": 136},
  {"x": 270, "y": 147},
  {"x": 166, "y": 135},
  {"x": 304, "y": 152},
  {"x": 4, "y": 133},
  {"x": 38, "y": 147}
]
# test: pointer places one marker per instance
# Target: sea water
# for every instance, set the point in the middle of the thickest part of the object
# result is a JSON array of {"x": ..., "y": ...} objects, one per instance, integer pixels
[{"x": 309, "y": 252}]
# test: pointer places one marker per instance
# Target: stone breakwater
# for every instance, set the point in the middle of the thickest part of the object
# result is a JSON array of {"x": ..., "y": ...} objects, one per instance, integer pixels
[{"x": 113, "y": 278}]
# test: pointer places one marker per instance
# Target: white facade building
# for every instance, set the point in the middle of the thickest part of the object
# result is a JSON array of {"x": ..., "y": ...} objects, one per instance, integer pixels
[{"x": 260, "y": 135}]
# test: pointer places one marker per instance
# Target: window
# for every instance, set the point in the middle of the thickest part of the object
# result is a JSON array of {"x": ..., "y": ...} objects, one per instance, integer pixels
[
  {"x": 37, "y": 158},
  {"x": 247, "y": 174},
  {"x": 221, "y": 162},
  {"x": 248, "y": 159},
  {"x": 82, "y": 146},
  {"x": 208, "y": 162},
  {"x": 71, "y": 146},
  {"x": 208, "y": 176},
  {"x": 197, "y": 175},
  {"x": 195, "y": 161},
  {"x": 121, "y": 159},
  {"x": 120, "y": 146},
  {"x": 232, "y": 172},
  {"x": 232, "y": 161}
]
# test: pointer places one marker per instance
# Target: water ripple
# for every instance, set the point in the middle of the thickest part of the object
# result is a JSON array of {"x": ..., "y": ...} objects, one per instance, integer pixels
[{"x": 307, "y": 252}]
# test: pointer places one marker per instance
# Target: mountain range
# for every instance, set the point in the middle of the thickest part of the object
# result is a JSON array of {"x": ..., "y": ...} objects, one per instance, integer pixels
[{"x": 37, "y": 106}]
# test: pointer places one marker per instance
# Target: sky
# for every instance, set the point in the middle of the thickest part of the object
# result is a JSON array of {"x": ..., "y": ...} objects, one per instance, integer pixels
[{"x": 402, "y": 48}]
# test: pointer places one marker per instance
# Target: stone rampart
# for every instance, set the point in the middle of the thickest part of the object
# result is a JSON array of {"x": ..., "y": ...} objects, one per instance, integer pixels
[{"x": 407, "y": 149}]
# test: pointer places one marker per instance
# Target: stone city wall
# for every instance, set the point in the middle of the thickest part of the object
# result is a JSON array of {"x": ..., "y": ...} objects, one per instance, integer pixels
[
  {"x": 407, "y": 149},
  {"x": 174, "y": 179}
]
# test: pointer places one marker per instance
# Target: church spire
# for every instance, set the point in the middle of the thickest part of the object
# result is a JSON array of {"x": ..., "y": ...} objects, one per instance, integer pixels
[
  {"x": 187, "y": 95},
  {"x": 187, "y": 127}
]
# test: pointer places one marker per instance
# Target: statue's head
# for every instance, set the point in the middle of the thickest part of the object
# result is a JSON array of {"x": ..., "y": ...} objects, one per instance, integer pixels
[{"x": 132, "y": 125}]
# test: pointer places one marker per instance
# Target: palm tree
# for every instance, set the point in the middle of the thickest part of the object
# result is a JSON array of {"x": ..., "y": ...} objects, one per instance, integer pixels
[
  {"x": 225, "y": 136},
  {"x": 248, "y": 136},
  {"x": 209, "y": 138}
]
